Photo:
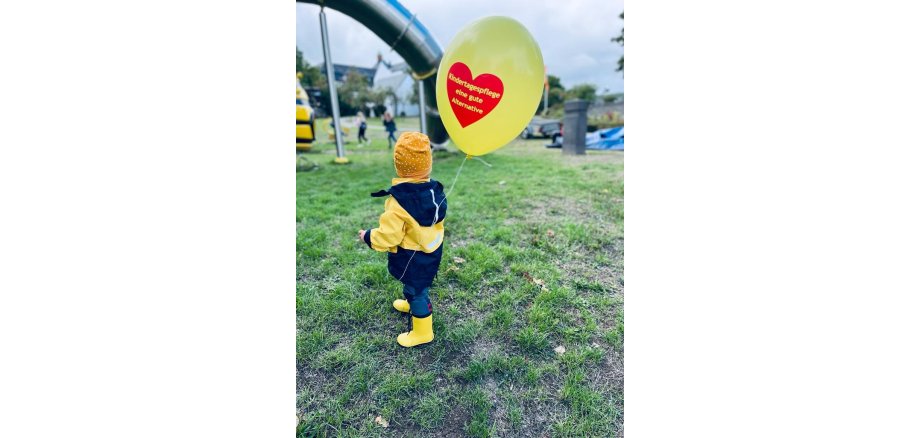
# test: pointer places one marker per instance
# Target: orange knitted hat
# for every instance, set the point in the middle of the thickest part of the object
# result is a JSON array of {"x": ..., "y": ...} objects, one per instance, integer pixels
[{"x": 412, "y": 155}]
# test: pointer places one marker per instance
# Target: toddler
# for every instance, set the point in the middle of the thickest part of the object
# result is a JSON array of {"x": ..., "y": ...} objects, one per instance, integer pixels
[{"x": 411, "y": 232}]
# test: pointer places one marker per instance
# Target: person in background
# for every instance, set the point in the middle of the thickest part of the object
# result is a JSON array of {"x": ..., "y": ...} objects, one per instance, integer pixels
[
  {"x": 390, "y": 125},
  {"x": 341, "y": 132},
  {"x": 362, "y": 127}
]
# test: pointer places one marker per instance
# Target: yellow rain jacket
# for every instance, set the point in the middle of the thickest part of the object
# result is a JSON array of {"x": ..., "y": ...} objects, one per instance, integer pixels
[{"x": 411, "y": 230}]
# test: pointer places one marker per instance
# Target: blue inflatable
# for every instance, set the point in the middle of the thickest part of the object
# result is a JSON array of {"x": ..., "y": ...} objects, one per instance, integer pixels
[{"x": 603, "y": 140}]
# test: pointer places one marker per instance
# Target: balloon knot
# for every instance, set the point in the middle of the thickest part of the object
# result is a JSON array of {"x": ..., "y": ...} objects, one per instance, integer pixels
[{"x": 468, "y": 156}]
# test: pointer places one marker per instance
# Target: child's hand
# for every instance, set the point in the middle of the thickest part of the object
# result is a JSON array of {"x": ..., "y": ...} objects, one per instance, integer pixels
[{"x": 361, "y": 235}]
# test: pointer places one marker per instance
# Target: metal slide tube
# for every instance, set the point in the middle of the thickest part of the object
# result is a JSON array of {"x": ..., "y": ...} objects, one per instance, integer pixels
[{"x": 398, "y": 28}]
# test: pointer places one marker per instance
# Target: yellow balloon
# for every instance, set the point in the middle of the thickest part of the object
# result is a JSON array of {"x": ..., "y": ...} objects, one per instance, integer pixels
[{"x": 490, "y": 82}]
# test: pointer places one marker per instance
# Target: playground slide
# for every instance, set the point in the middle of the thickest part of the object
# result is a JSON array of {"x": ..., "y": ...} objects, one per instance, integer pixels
[{"x": 397, "y": 27}]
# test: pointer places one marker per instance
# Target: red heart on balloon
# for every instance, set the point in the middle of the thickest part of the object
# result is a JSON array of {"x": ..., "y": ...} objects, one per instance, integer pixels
[{"x": 472, "y": 99}]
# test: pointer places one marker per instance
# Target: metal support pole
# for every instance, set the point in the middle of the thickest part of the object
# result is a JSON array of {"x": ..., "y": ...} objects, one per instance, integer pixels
[
  {"x": 333, "y": 96},
  {"x": 545, "y": 97},
  {"x": 421, "y": 107}
]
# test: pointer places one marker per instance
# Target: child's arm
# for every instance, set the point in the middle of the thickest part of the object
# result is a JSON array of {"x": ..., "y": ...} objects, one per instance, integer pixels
[{"x": 387, "y": 235}]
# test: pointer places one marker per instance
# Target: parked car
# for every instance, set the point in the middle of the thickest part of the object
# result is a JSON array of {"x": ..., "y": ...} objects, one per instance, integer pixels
[{"x": 543, "y": 128}]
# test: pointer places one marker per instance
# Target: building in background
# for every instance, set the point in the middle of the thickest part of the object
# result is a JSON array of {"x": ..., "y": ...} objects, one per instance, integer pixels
[
  {"x": 613, "y": 112},
  {"x": 340, "y": 71},
  {"x": 396, "y": 77}
]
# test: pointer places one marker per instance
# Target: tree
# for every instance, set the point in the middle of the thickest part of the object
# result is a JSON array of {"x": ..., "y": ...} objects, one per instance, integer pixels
[
  {"x": 554, "y": 82},
  {"x": 583, "y": 91},
  {"x": 300, "y": 61},
  {"x": 354, "y": 93},
  {"x": 556, "y": 93},
  {"x": 312, "y": 77},
  {"x": 612, "y": 97},
  {"x": 619, "y": 40},
  {"x": 413, "y": 99}
]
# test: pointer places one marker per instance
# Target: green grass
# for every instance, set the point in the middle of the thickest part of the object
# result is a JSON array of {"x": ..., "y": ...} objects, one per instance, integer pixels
[{"x": 533, "y": 260}]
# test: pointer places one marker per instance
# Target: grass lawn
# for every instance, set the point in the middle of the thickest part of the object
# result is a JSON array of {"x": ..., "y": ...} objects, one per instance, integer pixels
[{"x": 533, "y": 260}]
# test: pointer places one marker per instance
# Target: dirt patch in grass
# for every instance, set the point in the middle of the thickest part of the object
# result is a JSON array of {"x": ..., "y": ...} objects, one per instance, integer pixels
[
  {"x": 608, "y": 273},
  {"x": 454, "y": 423}
]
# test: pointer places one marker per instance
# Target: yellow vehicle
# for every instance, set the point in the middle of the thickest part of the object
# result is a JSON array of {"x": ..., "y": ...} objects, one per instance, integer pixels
[{"x": 306, "y": 132}]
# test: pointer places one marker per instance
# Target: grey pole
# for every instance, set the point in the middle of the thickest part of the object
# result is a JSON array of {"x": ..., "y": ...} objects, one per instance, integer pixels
[
  {"x": 545, "y": 97},
  {"x": 333, "y": 96},
  {"x": 421, "y": 106},
  {"x": 576, "y": 120},
  {"x": 545, "y": 89}
]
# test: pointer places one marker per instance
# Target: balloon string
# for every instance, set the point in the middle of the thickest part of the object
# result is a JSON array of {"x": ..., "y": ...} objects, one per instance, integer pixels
[
  {"x": 436, "y": 210},
  {"x": 455, "y": 179}
]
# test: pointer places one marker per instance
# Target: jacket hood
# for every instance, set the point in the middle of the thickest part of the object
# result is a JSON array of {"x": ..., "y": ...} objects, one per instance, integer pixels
[{"x": 425, "y": 201}]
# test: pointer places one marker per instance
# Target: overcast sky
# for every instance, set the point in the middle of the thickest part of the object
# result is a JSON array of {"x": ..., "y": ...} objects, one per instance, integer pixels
[{"x": 574, "y": 35}]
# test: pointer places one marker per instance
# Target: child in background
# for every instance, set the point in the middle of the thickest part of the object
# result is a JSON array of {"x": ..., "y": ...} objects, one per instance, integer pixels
[
  {"x": 332, "y": 134},
  {"x": 412, "y": 232},
  {"x": 362, "y": 127},
  {"x": 390, "y": 126}
]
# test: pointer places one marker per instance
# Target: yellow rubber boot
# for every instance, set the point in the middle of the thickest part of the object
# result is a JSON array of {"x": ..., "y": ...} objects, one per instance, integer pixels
[
  {"x": 421, "y": 333},
  {"x": 401, "y": 305}
]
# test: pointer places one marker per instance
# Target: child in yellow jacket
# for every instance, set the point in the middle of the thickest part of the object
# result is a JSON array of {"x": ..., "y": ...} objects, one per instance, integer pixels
[{"x": 411, "y": 232}]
